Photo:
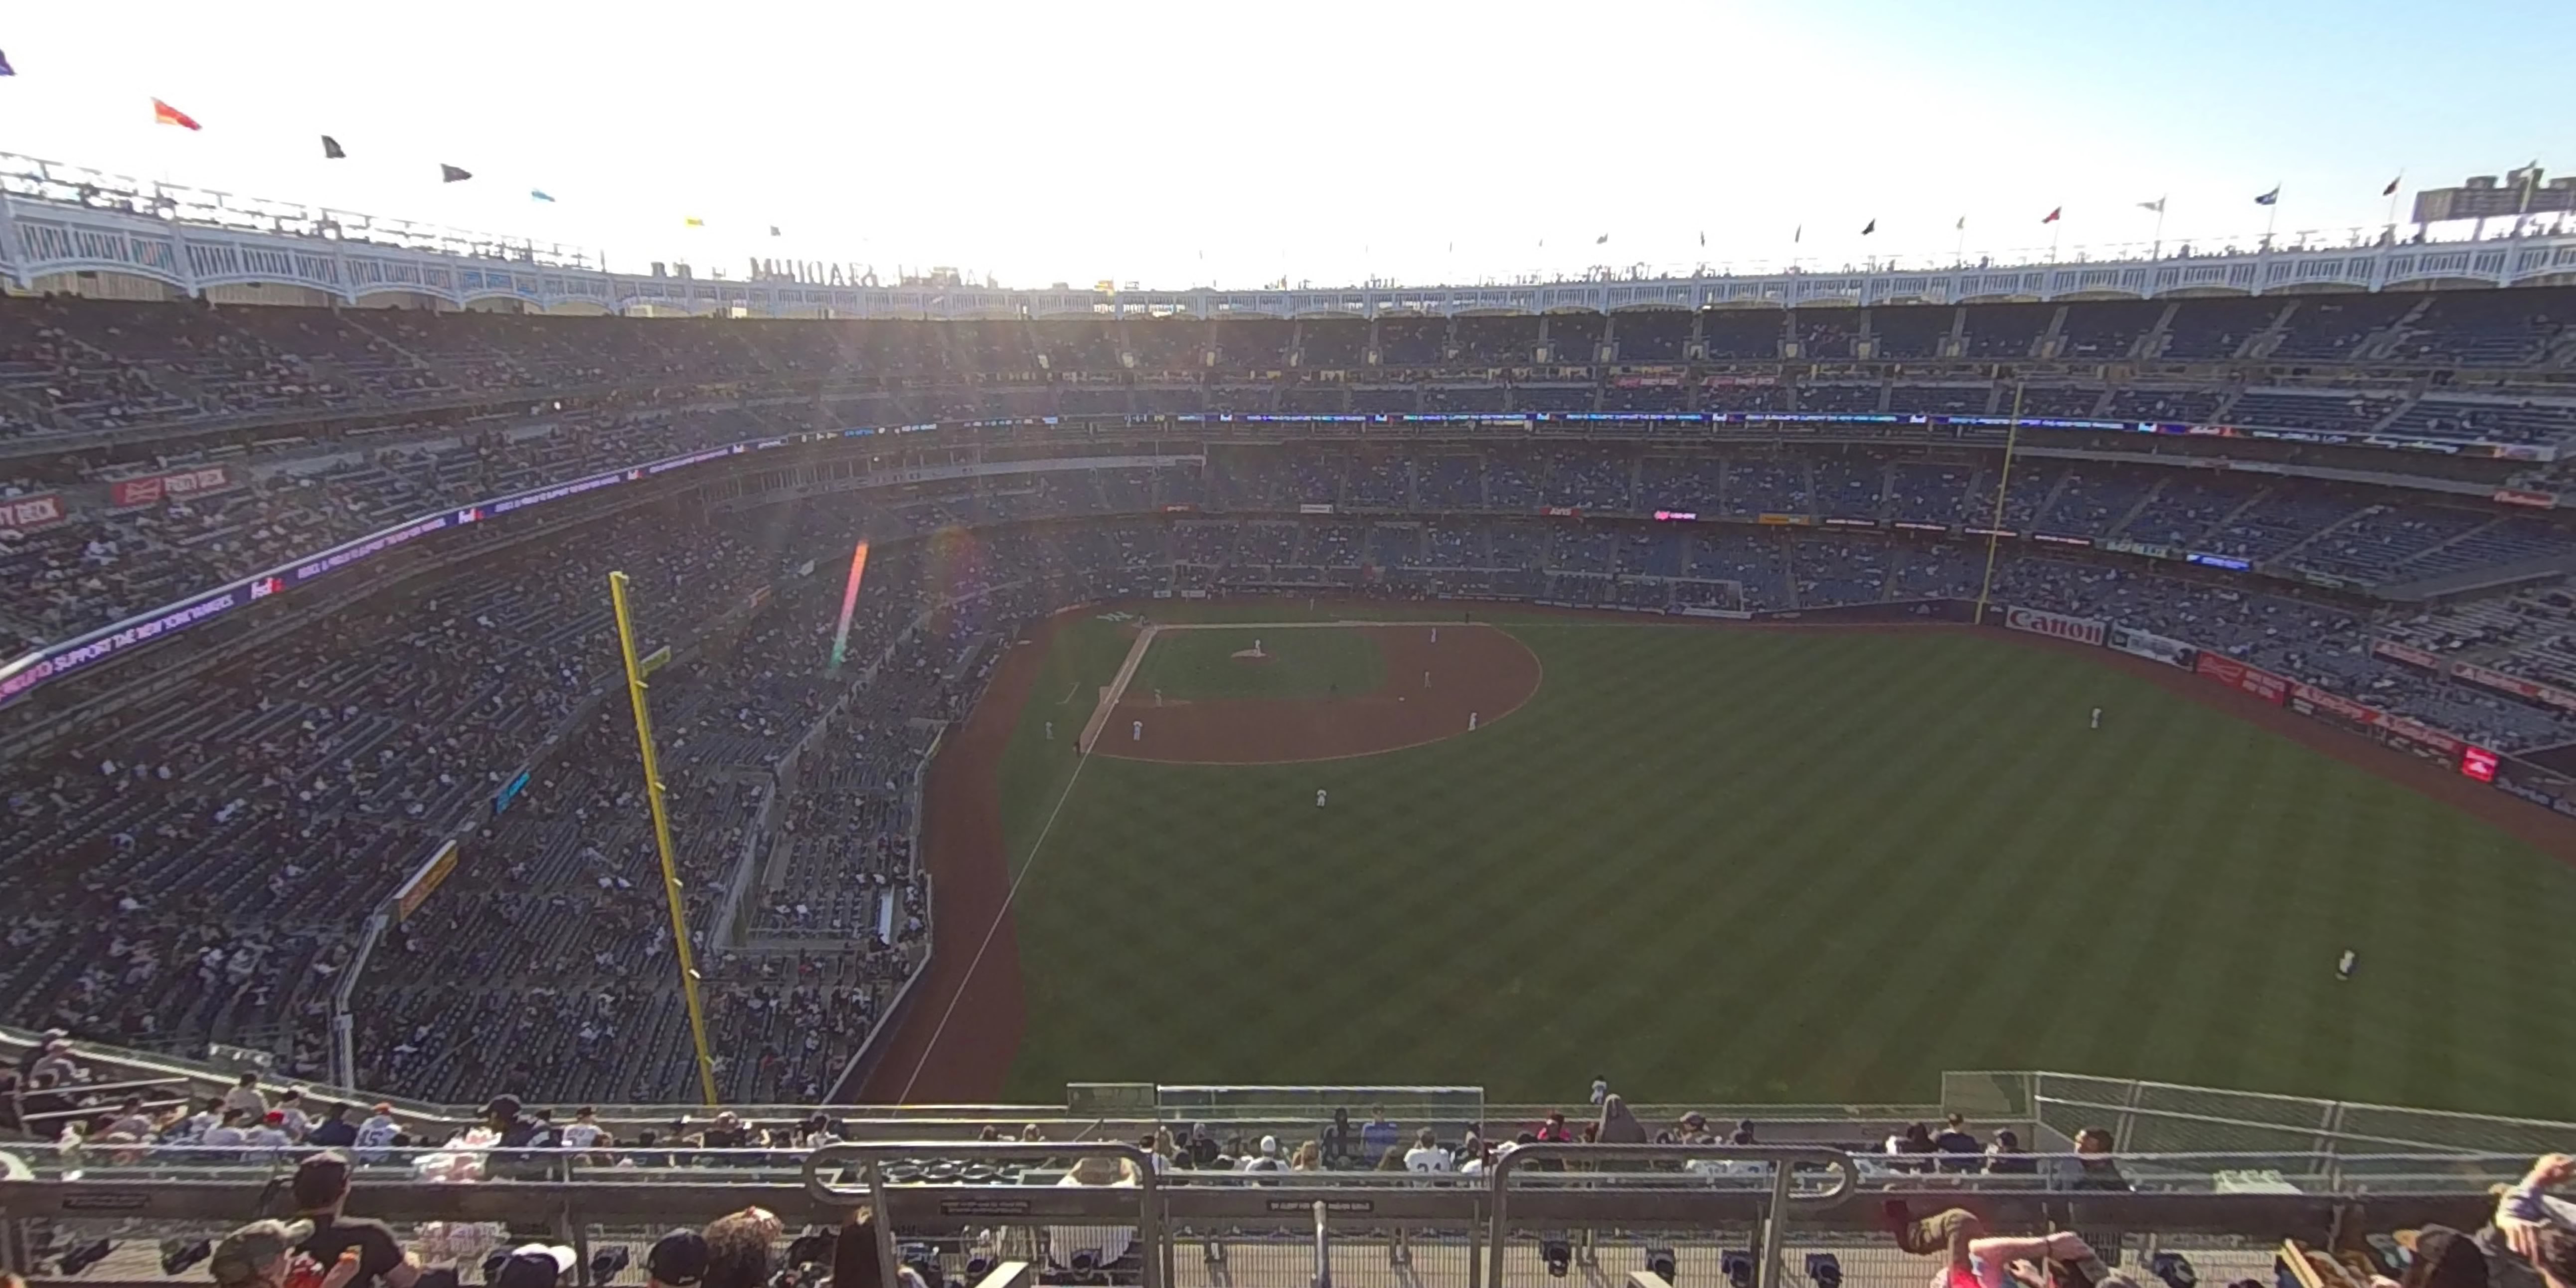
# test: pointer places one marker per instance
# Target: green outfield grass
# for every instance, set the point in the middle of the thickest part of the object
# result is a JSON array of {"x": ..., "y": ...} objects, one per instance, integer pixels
[
  {"x": 1732, "y": 865},
  {"x": 1201, "y": 666}
]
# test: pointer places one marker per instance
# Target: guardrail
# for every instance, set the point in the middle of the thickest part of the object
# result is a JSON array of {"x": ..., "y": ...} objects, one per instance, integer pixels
[
  {"x": 1781, "y": 1158},
  {"x": 1149, "y": 1225}
]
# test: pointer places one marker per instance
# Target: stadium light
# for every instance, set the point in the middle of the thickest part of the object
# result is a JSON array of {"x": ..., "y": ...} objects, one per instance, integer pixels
[
  {"x": 1738, "y": 1264},
  {"x": 1559, "y": 1255},
  {"x": 2175, "y": 1269}
]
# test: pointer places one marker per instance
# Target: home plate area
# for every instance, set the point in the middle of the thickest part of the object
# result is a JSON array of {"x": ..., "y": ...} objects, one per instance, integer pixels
[{"x": 1277, "y": 693}]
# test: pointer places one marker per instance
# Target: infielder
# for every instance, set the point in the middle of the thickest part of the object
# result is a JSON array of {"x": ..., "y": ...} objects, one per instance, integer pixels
[{"x": 1137, "y": 734}]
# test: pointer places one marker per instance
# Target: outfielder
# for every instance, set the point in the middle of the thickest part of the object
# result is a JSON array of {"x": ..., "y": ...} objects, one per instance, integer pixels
[
  {"x": 1137, "y": 734},
  {"x": 1319, "y": 798},
  {"x": 2097, "y": 717}
]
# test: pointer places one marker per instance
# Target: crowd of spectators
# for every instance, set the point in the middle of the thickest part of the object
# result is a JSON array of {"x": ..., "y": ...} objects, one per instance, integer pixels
[{"x": 209, "y": 863}]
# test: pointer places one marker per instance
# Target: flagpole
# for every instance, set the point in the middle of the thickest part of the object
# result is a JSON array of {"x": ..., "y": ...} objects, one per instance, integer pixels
[
  {"x": 2272, "y": 220},
  {"x": 2159, "y": 251},
  {"x": 1959, "y": 253}
]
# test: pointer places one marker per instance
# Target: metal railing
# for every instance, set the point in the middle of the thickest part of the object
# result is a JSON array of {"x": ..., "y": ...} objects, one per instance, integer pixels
[
  {"x": 871, "y": 1158},
  {"x": 1781, "y": 1158}
]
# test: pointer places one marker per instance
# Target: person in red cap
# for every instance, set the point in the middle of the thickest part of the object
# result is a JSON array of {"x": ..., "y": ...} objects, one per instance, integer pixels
[{"x": 270, "y": 1135}]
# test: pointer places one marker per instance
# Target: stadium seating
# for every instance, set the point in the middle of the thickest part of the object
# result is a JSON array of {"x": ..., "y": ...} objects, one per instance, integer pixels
[{"x": 364, "y": 737}]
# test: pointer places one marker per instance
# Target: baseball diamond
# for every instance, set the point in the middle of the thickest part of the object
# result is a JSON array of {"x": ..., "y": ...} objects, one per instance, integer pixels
[{"x": 1726, "y": 861}]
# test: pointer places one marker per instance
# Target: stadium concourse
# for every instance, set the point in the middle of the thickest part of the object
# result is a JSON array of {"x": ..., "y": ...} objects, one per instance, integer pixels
[{"x": 365, "y": 549}]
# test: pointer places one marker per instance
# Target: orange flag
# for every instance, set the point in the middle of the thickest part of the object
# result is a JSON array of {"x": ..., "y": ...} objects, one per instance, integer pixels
[{"x": 164, "y": 114}]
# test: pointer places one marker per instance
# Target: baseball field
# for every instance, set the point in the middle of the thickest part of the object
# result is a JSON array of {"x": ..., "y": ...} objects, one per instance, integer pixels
[{"x": 1713, "y": 864}]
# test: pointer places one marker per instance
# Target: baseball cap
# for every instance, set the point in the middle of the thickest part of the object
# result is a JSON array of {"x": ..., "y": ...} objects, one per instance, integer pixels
[
  {"x": 1694, "y": 1120},
  {"x": 385, "y": 1109},
  {"x": 533, "y": 1265},
  {"x": 1269, "y": 1146},
  {"x": 273, "y": 1117},
  {"x": 678, "y": 1259},
  {"x": 247, "y": 1250}
]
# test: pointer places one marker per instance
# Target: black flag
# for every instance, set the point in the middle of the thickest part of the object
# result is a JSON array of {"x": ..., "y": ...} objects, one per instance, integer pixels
[
  {"x": 1602, "y": 240},
  {"x": 453, "y": 174},
  {"x": 331, "y": 149},
  {"x": 773, "y": 230},
  {"x": 1871, "y": 227}
]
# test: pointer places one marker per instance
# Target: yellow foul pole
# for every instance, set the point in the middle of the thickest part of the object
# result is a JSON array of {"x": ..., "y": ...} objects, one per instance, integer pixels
[
  {"x": 636, "y": 670},
  {"x": 1995, "y": 527}
]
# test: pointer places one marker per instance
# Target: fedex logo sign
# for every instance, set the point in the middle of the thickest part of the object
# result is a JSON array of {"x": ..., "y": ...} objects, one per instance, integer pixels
[{"x": 2082, "y": 630}]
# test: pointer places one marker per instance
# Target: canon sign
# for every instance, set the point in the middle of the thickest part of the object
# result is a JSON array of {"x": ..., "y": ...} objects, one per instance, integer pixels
[{"x": 2082, "y": 630}]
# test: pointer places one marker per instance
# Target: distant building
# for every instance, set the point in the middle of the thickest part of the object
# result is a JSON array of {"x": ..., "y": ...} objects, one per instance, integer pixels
[{"x": 2519, "y": 192}]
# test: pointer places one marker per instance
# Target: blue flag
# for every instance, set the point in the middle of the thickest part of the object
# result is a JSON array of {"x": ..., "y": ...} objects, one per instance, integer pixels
[
  {"x": 535, "y": 194},
  {"x": 5, "y": 68},
  {"x": 2269, "y": 198}
]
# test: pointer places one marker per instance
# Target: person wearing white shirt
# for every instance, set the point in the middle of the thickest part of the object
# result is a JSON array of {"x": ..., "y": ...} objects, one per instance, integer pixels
[
  {"x": 1426, "y": 1154},
  {"x": 297, "y": 1123},
  {"x": 1268, "y": 1160},
  {"x": 377, "y": 1134},
  {"x": 1600, "y": 1089},
  {"x": 583, "y": 1131},
  {"x": 245, "y": 1097},
  {"x": 1105, "y": 1243}
]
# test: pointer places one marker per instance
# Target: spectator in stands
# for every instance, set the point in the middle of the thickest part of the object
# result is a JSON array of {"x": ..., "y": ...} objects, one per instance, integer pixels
[
  {"x": 2006, "y": 1157},
  {"x": 263, "y": 1255},
  {"x": 679, "y": 1260},
  {"x": 1268, "y": 1159},
  {"x": 1957, "y": 1148},
  {"x": 2093, "y": 1167},
  {"x": 379, "y": 1133},
  {"x": 1426, "y": 1154},
  {"x": 1618, "y": 1126},
  {"x": 2532, "y": 1240},
  {"x": 291, "y": 1116},
  {"x": 738, "y": 1248},
  {"x": 1308, "y": 1158},
  {"x": 321, "y": 1195},
  {"x": 1379, "y": 1135},
  {"x": 1339, "y": 1137},
  {"x": 1090, "y": 1246},
  {"x": 245, "y": 1096},
  {"x": 1974, "y": 1259},
  {"x": 1203, "y": 1147},
  {"x": 335, "y": 1131}
]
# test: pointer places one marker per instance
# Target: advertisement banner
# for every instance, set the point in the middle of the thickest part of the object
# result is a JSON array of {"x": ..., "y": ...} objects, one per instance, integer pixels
[
  {"x": 424, "y": 882},
  {"x": 2479, "y": 763},
  {"x": 1315, "y": 507},
  {"x": 1560, "y": 512},
  {"x": 2406, "y": 653},
  {"x": 169, "y": 487},
  {"x": 2171, "y": 652},
  {"x": 2311, "y": 699},
  {"x": 2519, "y": 687},
  {"x": 2519, "y": 496},
  {"x": 2082, "y": 630},
  {"x": 2402, "y": 731},
  {"x": 2236, "y": 675},
  {"x": 31, "y": 513}
]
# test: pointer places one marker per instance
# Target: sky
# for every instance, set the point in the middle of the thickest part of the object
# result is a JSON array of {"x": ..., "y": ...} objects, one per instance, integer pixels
[{"x": 1328, "y": 142}]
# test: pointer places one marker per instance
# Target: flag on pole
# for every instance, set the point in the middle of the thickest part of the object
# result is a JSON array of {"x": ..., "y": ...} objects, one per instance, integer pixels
[
  {"x": 2391, "y": 189},
  {"x": 5, "y": 68},
  {"x": 164, "y": 114},
  {"x": 1799, "y": 232},
  {"x": 1703, "y": 238},
  {"x": 2270, "y": 198},
  {"x": 2053, "y": 214},
  {"x": 331, "y": 149},
  {"x": 773, "y": 231},
  {"x": 1868, "y": 228},
  {"x": 692, "y": 221},
  {"x": 1961, "y": 226},
  {"x": 453, "y": 173},
  {"x": 1602, "y": 240},
  {"x": 540, "y": 194},
  {"x": 2157, "y": 205}
]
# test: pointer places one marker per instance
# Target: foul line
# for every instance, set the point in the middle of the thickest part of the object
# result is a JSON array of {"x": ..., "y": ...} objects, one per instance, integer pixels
[
  {"x": 977, "y": 961},
  {"x": 1070, "y": 690}
]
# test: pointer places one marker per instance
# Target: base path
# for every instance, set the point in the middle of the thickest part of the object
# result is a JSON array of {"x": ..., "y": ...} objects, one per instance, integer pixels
[{"x": 1475, "y": 670}]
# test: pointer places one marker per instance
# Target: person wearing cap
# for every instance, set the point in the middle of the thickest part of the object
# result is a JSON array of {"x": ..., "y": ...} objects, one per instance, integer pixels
[
  {"x": 532, "y": 1265},
  {"x": 678, "y": 1260},
  {"x": 291, "y": 1107},
  {"x": 1204, "y": 1150},
  {"x": 379, "y": 1133},
  {"x": 262, "y": 1255},
  {"x": 1268, "y": 1159},
  {"x": 269, "y": 1134},
  {"x": 335, "y": 1131},
  {"x": 321, "y": 1194}
]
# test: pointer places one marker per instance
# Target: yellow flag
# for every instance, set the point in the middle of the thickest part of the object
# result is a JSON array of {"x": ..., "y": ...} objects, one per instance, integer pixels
[{"x": 694, "y": 222}]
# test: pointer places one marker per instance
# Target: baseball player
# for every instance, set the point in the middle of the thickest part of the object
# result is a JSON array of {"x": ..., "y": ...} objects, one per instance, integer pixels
[
  {"x": 1319, "y": 798},
  {"x": 1050, "y": 731},
  {"x": 2343, "y": 967},
  {"x": 2097, "y": 717},
  {"x": 1137, "y": 733}
]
